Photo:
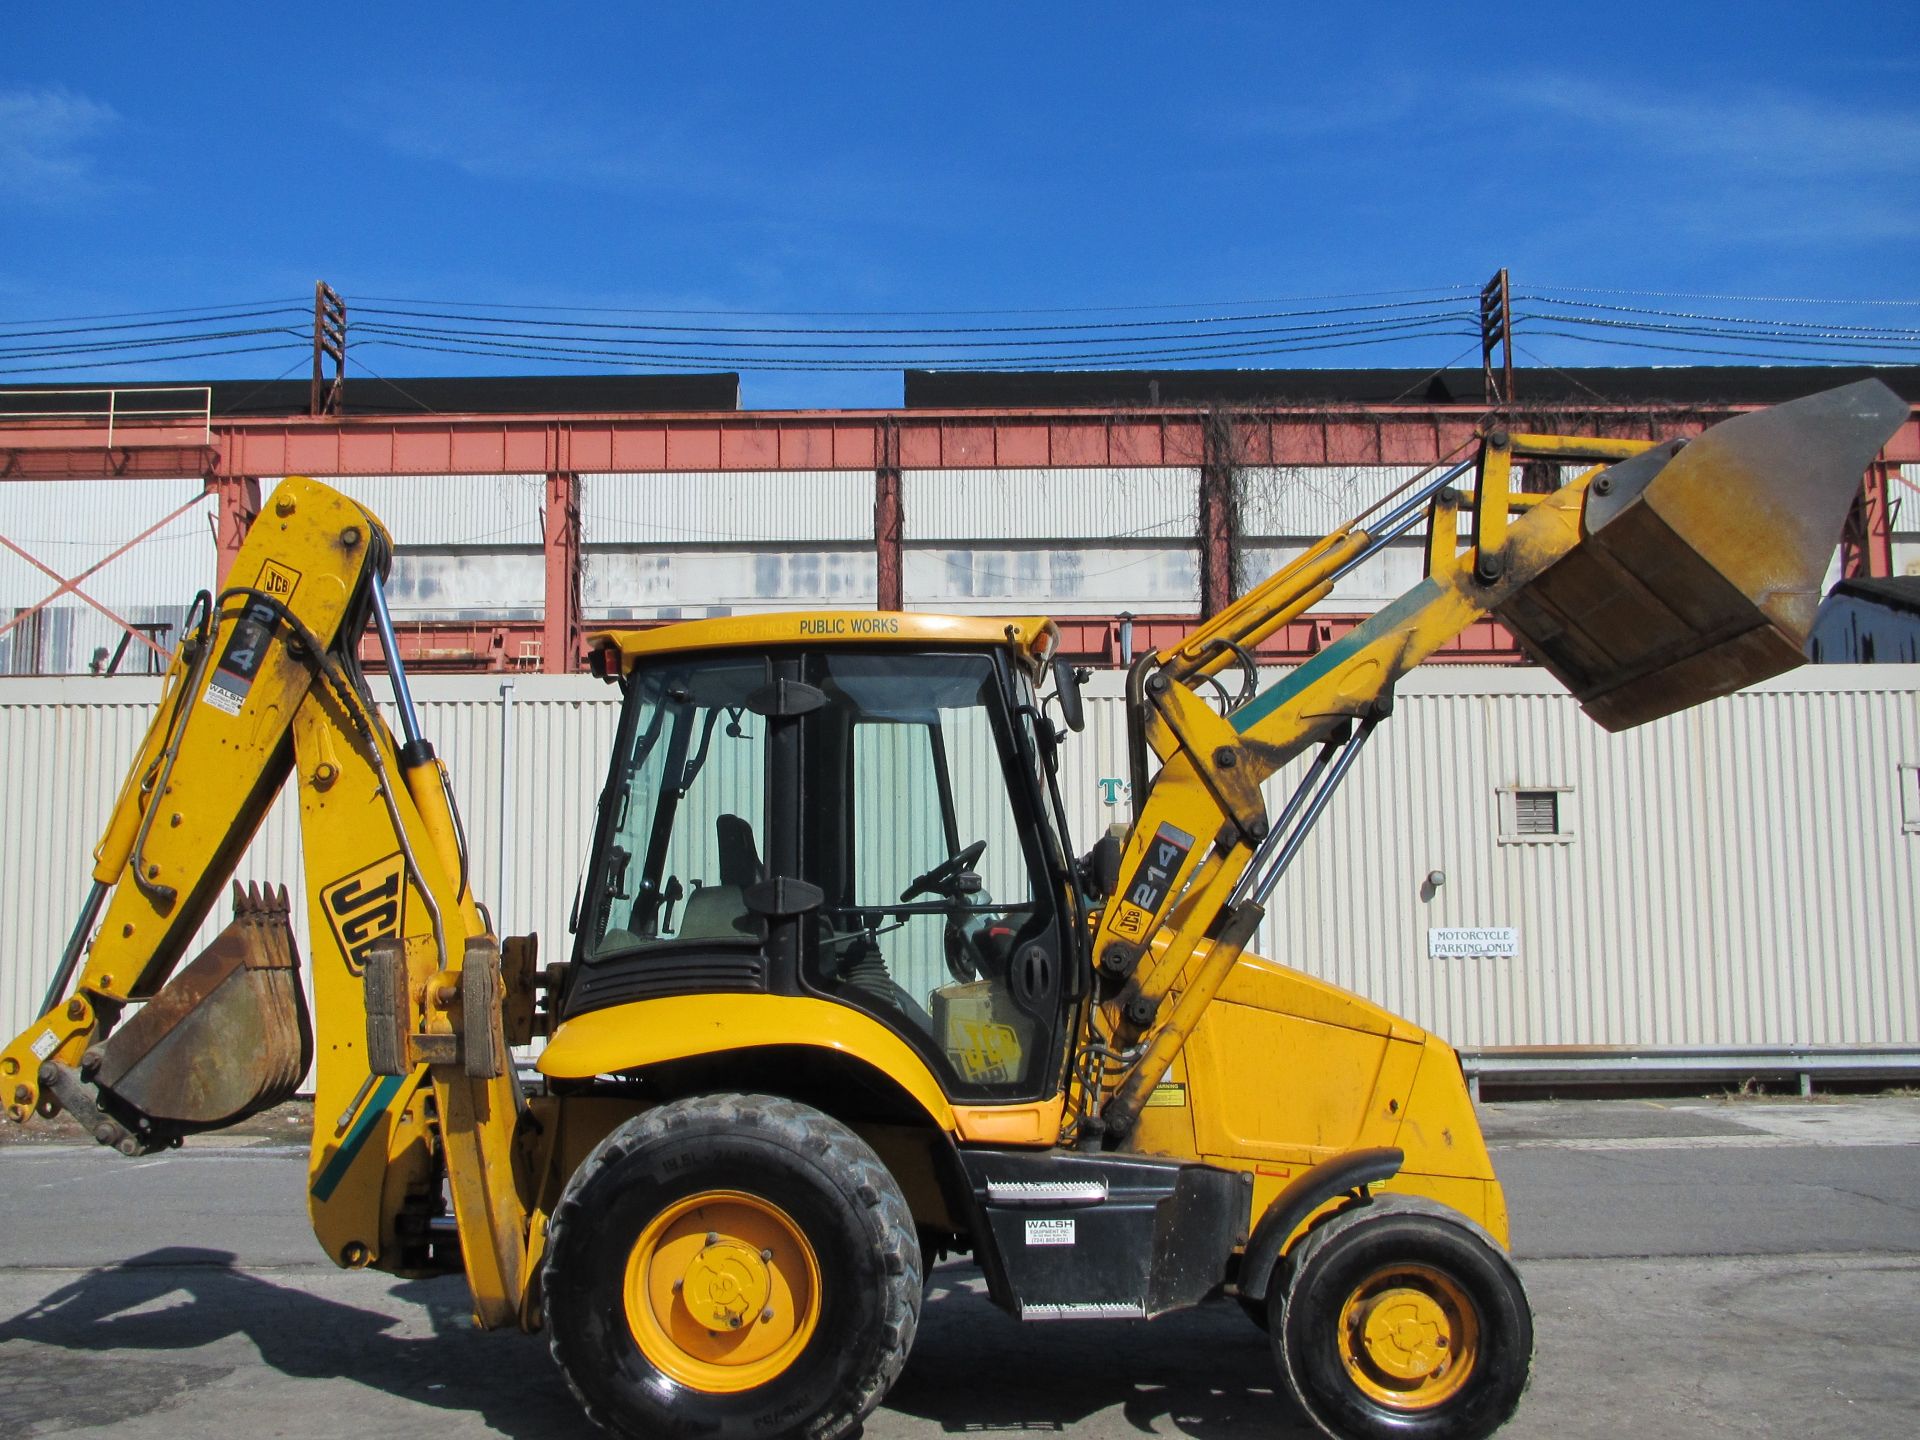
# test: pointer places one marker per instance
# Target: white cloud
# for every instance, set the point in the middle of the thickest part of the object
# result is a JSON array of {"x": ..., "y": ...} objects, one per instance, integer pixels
[
  {"x": 1750, "y": 131},
  {"x": 47, "y": 137}
]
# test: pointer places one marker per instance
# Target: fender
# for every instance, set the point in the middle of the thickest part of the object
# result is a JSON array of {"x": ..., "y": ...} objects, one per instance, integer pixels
[
  {"x": 1300, "y": 1199},
  {"x": 653, "y": 1032}
]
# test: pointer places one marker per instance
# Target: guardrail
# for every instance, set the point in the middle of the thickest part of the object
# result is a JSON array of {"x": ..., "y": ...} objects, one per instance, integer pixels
[
  {"x": 1626, "y": 1066},
  {"x": 123, "y": 406}
]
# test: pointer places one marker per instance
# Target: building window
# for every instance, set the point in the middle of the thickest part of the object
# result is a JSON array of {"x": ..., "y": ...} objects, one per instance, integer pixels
[
  {"x": 1909, "y": 799},
  {"x": 1536, "y": 814}
]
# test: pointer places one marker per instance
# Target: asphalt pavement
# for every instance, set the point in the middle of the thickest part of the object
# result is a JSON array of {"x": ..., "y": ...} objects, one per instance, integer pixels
[{"x": 1698, "y": 1268}]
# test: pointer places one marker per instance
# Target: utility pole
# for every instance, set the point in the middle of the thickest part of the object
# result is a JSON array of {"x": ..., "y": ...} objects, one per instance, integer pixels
[
  {"x": 1496, "y": 333},
  {"x": 329, "y": 342}
]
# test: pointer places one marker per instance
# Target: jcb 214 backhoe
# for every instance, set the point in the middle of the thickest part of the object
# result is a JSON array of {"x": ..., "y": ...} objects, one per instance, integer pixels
[{"x": 842, "y": 999}]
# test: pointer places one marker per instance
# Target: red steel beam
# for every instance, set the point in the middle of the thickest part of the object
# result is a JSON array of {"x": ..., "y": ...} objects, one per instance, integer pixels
[
  {"x": 560, "y": 635},
  {"x": 806, "y": 440}
]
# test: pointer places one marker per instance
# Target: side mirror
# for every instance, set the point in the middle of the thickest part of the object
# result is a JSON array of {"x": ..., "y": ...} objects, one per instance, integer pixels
[{"x": 1066, "y": 689}]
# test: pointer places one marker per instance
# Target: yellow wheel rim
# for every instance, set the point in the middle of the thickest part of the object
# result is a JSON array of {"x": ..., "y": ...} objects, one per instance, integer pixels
[
  {"x": 1409, "y": 1337},
  {"x": 722, "y": 1291}
]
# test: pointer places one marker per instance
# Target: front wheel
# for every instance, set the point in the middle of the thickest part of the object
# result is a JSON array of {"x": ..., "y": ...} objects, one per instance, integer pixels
[
  {"x": 1405, "y": 1324},
  {"x": 732, "y": 1265}
]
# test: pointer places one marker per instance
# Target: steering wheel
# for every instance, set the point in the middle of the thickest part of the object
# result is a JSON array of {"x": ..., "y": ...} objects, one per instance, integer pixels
[{"x": 936, "y": 880}]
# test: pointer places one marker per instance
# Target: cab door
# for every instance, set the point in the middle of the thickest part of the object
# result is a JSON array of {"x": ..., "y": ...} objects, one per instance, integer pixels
[{"x": 922, "y": 828}]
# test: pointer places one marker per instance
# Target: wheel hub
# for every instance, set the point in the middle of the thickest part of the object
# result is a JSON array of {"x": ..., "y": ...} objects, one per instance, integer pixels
[
  {"x": 725, "y": 1285},
  {"x": 723, "y": 1291},
  {"x": 1409, "y": 1337},
  {"x": 1406, "y": 1334}
]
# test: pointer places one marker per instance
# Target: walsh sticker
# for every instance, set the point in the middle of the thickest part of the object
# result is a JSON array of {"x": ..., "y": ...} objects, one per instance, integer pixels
[
  {"x": 367, "y": 906},
  {"x": 1049, "y": 1232},
  {"x": 250, "y": 639}
]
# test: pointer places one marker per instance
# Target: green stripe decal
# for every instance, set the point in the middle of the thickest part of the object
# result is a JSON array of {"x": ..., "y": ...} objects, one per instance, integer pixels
[
  {"x": 1342, "y": 650},
  {"x": 336, "y": 1169}
]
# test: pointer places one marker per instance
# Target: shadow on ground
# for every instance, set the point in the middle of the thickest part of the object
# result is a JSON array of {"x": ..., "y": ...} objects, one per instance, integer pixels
[
  {"x": 126, "y": 1317},
  {"x": 1206, "y": 1373},
  {"x": 155, "y": 1331}
]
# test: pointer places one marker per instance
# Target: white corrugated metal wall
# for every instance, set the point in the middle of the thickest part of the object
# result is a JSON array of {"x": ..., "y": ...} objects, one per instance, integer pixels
[
  {"x": 1060, "y": 542},
  {"x": 679, "y": 546},
  {"x": 465, "y": 546},
  {"x": 71, "y": 525},
  {"x": 1747, "y": 874},
  {"x": 1906, "y": 521}
]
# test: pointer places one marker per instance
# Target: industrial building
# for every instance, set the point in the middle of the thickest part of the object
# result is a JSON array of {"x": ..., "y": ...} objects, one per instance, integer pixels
[{"x": 1729, "y": 891}]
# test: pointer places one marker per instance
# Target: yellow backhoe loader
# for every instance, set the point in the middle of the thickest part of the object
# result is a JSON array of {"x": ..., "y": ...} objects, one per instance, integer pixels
[{"x": 842, "y": 999}]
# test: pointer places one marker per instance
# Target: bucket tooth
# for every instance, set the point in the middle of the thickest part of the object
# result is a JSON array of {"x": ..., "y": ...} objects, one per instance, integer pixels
[{"x": 1700, "y": 563}]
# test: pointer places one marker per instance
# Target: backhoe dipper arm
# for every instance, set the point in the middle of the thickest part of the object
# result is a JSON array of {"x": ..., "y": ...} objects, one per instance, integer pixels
[
  {"x": 413, "y": 1082},
  {"x": 1662, "y": 580},
  {"x": 217, "y": 753}
]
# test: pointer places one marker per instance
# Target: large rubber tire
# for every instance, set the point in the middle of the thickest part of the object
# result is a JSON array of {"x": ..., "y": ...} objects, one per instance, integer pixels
[
  {"x": 661, "y": 1224},
  {"x": 1403, "y": 1322}
]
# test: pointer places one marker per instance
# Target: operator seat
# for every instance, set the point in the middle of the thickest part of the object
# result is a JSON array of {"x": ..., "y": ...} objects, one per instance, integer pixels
[
  {"x": 719, "y": 912},
  {"x": 739, "y": 856}
]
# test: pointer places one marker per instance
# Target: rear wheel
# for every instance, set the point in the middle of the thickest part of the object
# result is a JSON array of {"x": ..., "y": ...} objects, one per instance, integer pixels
[
  {"x": 1403, "y": 1323},
  {"x": 737, "y": 1265}
]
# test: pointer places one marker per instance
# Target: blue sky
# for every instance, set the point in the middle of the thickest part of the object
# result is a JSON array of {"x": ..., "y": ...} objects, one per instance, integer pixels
[{"x": 894, "y": 158}]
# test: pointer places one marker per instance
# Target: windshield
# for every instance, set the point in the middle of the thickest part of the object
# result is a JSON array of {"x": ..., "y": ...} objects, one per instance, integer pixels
[{"x": 689, "y": 805}]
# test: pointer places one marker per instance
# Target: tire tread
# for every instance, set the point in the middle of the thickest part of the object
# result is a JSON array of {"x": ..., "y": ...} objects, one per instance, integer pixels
[{"x": 815, "y": 1137}]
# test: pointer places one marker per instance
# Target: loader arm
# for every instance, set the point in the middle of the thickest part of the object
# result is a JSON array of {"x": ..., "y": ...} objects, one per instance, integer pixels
[
  {"x": 413, "y": 1084},
  {"x": 1660, "y": 577}
]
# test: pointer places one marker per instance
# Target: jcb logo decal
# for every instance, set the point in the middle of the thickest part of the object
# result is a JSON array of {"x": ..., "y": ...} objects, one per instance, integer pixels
[
  {"x": 277, "y": 580},
  {"x": 367, "y": 906}
]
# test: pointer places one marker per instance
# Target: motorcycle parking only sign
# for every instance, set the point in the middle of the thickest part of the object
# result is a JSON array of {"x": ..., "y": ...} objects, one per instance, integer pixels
[{"x": 1491, "y": 942}]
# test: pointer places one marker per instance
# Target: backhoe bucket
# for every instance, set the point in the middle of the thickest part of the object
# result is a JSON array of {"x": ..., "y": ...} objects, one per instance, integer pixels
[
  {"x": 1701, "y": 561},
  {"x": 227, "y": 1037}
]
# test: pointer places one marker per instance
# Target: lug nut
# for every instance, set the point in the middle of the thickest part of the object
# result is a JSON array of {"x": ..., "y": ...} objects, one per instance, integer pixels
[
  {"x": 766, "y": 1314},
  {"x": 766, "y": 1254}
]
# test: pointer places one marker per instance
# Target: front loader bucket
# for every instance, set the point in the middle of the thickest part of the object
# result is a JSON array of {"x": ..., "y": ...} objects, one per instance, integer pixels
[
  {"x": 227, "y": 1037},
  {"x": 1700, "y": 563}
]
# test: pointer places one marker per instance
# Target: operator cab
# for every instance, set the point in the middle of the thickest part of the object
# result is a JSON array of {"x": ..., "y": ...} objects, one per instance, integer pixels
[{"x": 857, "y": 808}]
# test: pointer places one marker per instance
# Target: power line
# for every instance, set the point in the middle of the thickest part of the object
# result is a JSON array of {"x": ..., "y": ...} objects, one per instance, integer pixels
[
  {"x": 1711, "y": 295},
  {"x": 146, "y": 314},
  {"x": 8, "y": 333},
  {"x": 142, "y": 360},
  {"x": 897, "y": 345},
  {"x": 896, "y": 314}
]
